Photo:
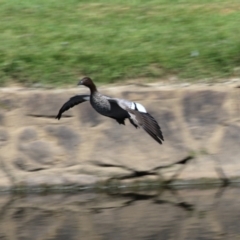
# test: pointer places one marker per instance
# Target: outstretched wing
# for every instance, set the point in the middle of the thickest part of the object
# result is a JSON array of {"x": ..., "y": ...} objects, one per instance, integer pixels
[
  {"x": 148, "y": 123},
  {"x": 139, "y": 116},
  {"x": 71, "y": 103}
]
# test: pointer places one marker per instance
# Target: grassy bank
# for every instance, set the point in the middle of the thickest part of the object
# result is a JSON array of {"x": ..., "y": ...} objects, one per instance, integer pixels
[{"x": 55, "y": 42}]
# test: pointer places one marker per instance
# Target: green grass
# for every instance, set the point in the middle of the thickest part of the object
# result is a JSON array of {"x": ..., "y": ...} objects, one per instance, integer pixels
[{"x": 55, "y": 41}]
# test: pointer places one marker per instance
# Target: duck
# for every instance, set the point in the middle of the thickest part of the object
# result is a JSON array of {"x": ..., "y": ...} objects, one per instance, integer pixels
[{"x": 115, "y": 108}]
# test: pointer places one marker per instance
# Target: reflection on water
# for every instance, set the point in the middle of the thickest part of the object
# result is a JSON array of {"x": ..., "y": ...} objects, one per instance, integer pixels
[{"x": 183, "y": 214}]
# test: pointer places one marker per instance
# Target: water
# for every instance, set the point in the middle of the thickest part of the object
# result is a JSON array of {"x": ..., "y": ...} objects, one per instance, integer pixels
[{"x": 184, "y": 214}]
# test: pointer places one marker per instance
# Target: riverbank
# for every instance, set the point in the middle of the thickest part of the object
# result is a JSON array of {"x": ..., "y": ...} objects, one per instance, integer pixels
[{"x": 200, "y": 123}]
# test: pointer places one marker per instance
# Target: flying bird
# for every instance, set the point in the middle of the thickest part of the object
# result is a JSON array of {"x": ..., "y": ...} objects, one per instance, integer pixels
[{"x": 116, "y": 108}]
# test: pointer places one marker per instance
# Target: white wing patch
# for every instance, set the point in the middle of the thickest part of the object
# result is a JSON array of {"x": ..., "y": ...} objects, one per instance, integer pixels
[
  {"x": 141, "y": 108},
  {"x": 138, "y": 106},
  {"x": 132, "y": 106},
  {"x": 124, "y": 104}
]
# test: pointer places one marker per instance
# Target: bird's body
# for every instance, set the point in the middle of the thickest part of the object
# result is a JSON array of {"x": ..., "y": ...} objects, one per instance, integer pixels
[
  {"x": 100, "y": 103},
  {"x": 118, "y": 109}
]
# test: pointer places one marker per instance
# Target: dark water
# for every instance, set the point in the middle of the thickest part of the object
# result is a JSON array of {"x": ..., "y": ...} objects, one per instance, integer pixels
[{"x": 183, "y": 214}]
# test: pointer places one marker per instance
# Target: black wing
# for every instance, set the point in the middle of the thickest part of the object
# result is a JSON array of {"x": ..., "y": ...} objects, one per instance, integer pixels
[
  {"x": 149, "y": 124},
  {"x": 71, "y": 103},
  {"x": 117, "y": 112}
]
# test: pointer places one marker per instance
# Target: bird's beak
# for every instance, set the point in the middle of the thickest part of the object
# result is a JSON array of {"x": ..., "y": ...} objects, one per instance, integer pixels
[{"x": 80, "y": 82}]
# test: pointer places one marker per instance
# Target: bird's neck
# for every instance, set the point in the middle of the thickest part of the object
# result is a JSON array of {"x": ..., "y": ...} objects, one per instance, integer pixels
[{"x": 93, "y": 88}]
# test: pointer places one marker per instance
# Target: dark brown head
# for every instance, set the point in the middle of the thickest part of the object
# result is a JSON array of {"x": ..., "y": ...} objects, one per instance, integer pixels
[{"x": 86, "y": 81}]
